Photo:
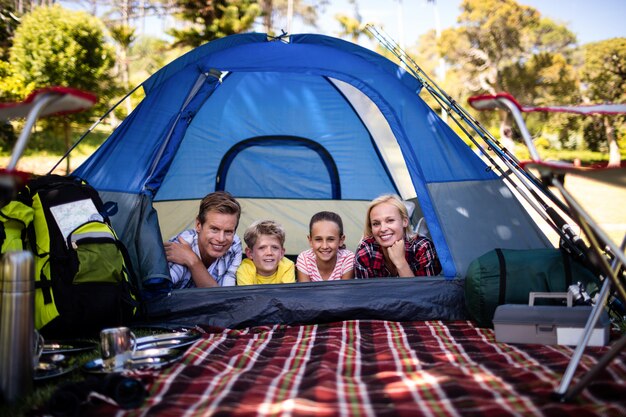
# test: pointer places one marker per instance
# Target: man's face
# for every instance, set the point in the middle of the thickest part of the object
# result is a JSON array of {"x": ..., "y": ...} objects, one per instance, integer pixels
[{"x": 215, "y": 235}]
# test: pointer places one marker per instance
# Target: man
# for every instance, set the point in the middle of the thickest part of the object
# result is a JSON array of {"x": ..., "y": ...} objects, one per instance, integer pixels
[{"x": 209, "y": 255}]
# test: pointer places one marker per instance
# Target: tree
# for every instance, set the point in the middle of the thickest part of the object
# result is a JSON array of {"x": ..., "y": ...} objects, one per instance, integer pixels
[
  {"x": 121, "y": 18},
  {"x": 124, "y": 36},
  {"x": 56, "y": 46},
  {"x": 213, "y": 19},
  {"x": 8, "y": 22},
  {"x": 124, "y": 12},
  {"x": 272, "y": 10},
  {"x": 604, "y": 77},
  {"x": 353, "y": 27},
  {"x": 501, "y": 45},
  {"x": 12, "y": 88}
]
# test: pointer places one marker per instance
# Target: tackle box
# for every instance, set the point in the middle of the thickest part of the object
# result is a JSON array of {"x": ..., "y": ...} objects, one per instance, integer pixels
[{"x": 548, "y": 324}]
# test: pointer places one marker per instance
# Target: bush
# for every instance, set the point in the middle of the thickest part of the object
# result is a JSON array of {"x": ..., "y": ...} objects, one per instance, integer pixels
[{"x": 55, "y": 46}]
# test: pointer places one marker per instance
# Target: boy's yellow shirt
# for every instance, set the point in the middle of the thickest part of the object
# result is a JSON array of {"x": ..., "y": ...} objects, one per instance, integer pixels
[{"x": 285, "y": 273}]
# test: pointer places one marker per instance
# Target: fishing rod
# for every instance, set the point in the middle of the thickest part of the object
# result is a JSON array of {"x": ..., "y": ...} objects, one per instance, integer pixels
[
  {"x": 547, "y": 212},
  {"x": 445, "y": 99},
  {"x": 91, "y": 128}
]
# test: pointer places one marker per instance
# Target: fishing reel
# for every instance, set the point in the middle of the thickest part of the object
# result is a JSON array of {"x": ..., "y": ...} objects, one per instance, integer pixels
[{"x": 580, "y": 296}]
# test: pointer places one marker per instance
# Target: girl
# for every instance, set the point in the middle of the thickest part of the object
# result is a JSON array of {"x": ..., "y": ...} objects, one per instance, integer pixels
[
  {"x": 328, "y": 259},
  {"x": 388, "y": 249}
]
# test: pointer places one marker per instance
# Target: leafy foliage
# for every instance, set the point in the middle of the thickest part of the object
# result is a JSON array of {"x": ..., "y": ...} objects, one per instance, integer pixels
[
  {"x": 12, "y": 88},
  {"x": 213, "y": 20},
  {"x": 56, "y": 46},
  {"x": 501, "y": 45},
  {"x": 604, "y": 75},
  {"x": 604, "y": 70},
  {"x": 353, "y": 26},
  {"x": 8, "y": 23}
]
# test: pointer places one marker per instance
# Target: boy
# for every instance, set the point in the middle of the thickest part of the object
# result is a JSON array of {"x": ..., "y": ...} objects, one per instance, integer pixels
[
  {"x": 265, "y": 250},
  {"x": 209, "y": 255}
]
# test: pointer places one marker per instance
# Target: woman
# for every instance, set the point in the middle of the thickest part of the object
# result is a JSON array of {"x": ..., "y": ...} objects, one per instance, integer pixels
[{"x": 388, "y": 249}]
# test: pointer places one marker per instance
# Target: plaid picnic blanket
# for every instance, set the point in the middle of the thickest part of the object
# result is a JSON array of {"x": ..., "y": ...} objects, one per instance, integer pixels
[{"x": 373, "y": 368}]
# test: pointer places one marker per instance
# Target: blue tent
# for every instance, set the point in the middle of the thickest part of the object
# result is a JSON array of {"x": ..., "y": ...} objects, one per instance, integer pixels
[{"x": 290, "y": 127}]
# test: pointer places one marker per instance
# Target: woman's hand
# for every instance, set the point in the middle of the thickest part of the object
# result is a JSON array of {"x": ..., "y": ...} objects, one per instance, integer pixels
[{"x": 396, "y": 253}]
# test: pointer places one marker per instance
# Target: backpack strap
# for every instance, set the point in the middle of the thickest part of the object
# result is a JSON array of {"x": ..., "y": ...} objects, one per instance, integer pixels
[
  {"x": 11, "y": 214},
  {"x": 3, "y": 235},
  {"x": 45, "y": 286},
  {"x": 567, "y": 266},
  {"x": 502, "y": 290}
]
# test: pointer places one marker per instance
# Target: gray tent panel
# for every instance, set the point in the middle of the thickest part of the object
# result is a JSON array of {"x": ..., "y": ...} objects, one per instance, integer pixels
[
  {"x": 483, "y": 215},
  {"x": 136, "y": 224}
]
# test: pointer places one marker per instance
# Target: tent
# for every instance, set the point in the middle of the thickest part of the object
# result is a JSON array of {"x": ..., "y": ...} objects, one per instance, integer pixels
[{"x": 291, "y": 126}]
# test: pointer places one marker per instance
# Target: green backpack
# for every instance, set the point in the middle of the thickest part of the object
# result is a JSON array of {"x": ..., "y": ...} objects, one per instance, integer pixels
[
  {"x": 83, "y": 281},
  {"x": 506, "y": 276},
  {"x": 15, "y": 217}
]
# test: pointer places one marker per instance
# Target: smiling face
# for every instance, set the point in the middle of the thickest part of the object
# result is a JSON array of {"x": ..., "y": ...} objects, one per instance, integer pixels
[
  {"x": 215, "y": 235},
  {"x": 265, "y": 254},
  {"x": 325, "y": 240},
  {"x": 387, "y": 224}
]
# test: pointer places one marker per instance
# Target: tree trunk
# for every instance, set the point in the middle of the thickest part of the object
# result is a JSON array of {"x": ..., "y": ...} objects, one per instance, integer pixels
[
  {"x": 267, "y": 9},
  {"x": 125, "y": 72},
  {"x": 506, "y": 133},
  {"x": 67, "y": 133},
  {"x": 614, "y": 153}
]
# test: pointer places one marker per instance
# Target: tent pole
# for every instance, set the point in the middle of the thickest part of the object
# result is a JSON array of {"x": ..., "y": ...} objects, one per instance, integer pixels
[
  {"x": 442, "y": 97},
  {"x": 557, "y": 222},
  {"x": 92, "y": 127}
]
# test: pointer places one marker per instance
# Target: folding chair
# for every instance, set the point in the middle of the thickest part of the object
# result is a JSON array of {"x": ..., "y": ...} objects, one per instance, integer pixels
[
  {"x": 43, "y": 102},
  {"x": 601, "y": 247}
]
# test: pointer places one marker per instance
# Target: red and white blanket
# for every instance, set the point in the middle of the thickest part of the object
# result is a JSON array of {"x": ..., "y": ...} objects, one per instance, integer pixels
[{"x": 374, "y": 368}]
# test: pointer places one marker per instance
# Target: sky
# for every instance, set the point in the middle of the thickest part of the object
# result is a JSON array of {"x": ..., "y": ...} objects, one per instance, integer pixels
[{"x": 590, "y": 20}]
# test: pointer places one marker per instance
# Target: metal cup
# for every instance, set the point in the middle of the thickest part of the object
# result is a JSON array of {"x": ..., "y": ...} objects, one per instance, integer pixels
[{"x": 117, "y": 345}]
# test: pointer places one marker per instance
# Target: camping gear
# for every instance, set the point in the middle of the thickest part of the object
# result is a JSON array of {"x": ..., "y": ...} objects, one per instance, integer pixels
[
  {"x": 15, "y": 216},
  {"x": 601, "y": 250},
  {"x": 371, "y": 368},
  {"x": 73, "y": 398},
  {"x": 49, "y": 101},
  {"x": 508, "y": 277},
  {"x": 549, "y": 325},
  {"x": 117, "y": 344},
  {"x": 18, "y": 339},
  {"x": 17, "y": 335},
  {"x": 291, "y": 126},
  {"x": 506, "y": 101},
  {"x": 81, "y": 274}
]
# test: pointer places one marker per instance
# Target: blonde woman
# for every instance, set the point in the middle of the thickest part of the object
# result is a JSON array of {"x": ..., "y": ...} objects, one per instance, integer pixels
[{"x": 388, "y": 249}]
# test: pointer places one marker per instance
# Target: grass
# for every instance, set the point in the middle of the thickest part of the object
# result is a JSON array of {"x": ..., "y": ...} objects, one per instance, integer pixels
[
  {"x": 45, "y": 149},
  {"x": 43, "y": 390}
]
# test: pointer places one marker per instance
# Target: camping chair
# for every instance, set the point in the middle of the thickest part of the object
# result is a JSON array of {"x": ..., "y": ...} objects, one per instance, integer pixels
[
  {"x": 601, "y": 247},
  {"x": 43, "y": 102},
  {"x": 17, "y": 327}
]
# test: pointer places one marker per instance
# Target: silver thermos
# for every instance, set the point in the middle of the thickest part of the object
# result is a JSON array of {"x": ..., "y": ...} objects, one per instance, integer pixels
[{"x": 17, "y": 333}]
